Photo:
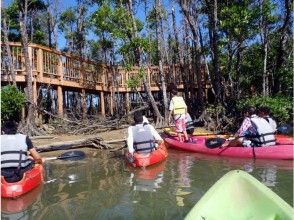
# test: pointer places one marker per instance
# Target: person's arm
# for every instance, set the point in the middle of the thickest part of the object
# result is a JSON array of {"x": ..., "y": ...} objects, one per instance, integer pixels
[
  {"x": 171, "y": 107},
  {"x": 186, "y": 107},
  {"x": 130, "y": 140},
  {"x": 157, "y": 137},
  {"x": 35, "y": 155},
  {"x": 244, "y": 127}
]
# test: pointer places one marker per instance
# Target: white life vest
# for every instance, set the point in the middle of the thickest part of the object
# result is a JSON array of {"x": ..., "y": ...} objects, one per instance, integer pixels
[
  {"x": 143, "y": 139},
  {"x": 179, "y": 105},
  {"x": 266, "y": 136},
  {"x": 272, "y": 122},
  {"x": 14, "y": 151}
]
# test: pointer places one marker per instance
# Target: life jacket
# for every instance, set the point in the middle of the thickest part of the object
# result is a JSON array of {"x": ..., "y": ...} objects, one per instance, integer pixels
[
  {"x": 272, "y": 122},
  {"x": 179, "y": 105},
  {"x": 266, "y": 135},
  {"x": 143, "y": 139},
  {"x": 14, "y": 151}
]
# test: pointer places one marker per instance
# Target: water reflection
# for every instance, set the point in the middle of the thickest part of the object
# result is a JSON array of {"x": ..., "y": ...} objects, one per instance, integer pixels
[
  {"x": 147, "y": 178},
  {"x": 18, "y": 208},
  {"x": 184, "y": 181},
  {"x": 102, "y": 187}
]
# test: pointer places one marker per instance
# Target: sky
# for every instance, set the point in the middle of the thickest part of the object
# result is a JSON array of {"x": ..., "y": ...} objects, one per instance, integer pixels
[{"x": 64, "y": 4}]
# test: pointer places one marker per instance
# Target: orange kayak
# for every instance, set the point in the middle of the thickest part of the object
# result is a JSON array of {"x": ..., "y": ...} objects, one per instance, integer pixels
[
  {"x": 31, "y": 179},
  {"x": 21, "y": 203},
  {"x": 144, "y": 160}
]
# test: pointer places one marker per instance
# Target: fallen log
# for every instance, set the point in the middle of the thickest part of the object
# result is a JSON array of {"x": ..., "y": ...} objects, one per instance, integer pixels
[
  {"x": 42, "y": 137},
  {"x": 95, "y": 142}
]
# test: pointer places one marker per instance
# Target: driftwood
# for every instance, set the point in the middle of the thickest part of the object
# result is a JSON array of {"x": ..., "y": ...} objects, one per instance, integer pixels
[
  {"x": 42, "y": 137},
  {"x": 95, "y": 142}
]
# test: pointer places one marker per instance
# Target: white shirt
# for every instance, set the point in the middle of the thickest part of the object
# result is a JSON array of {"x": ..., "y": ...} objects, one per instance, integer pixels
[
  {"x": 130, "y": 140},
  {"x": 145, "y": 120}
]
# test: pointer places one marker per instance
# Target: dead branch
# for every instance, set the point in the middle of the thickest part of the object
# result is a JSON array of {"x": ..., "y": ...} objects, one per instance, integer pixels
[{"x": 95, "y": 142}]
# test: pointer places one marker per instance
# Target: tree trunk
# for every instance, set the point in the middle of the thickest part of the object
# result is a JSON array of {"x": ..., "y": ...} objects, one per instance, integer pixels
[
  {"x": 7, "y": 47},
  {"x": 180, "y": 57},
  {"x": 30, "y": 128},
  {"x": 238, "y": 71},
  {"x": 159, "y": 118},
  {"x": 213, "y": 35},
  {"x": 49, "y": 28},
  {"x": 138, "y": 59},
  {"x": 264, "y": 39},
  {"x": 282, "y": 43},
  {"x": 159, "y": 41},
  {"x": 193, "y": 23},
  {"x": 205, "y": 62}
]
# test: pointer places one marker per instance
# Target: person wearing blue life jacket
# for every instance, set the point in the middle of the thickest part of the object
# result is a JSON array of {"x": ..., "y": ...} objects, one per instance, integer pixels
[
  {"x": 14, "y": 152},
  {"x": 142, "y": 137}
]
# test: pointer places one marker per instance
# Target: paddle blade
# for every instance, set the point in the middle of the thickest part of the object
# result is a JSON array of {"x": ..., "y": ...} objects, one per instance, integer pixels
[
  {"x": 72, "y": 155},
  {"x": 214, "y": 142}
]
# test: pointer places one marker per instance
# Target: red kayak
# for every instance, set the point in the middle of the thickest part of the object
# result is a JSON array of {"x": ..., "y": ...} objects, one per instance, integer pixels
[
  {"x": 284, "y": 139},
  {"x": 31, "y": 179},
  {"x": 144, "y": 160},
  {"x": 197, "y": 144}
]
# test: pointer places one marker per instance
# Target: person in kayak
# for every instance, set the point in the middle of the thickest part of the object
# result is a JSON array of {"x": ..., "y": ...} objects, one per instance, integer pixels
[
  {"x": 14, "y": 153},
  {"x": 178, "y": 109},
  {"x": 254, "y": 131},
  {"x": 264, "y": 112},
  {"x": 142, "y": 137},
  {"x": 189, "y": 124}
]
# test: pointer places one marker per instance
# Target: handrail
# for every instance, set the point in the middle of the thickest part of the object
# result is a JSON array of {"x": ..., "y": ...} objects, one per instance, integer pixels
[{"x": 60, "y": 68}]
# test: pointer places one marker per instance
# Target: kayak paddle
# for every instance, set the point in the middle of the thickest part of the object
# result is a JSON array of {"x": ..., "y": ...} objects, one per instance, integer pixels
[{"x": 70, "y": 155}]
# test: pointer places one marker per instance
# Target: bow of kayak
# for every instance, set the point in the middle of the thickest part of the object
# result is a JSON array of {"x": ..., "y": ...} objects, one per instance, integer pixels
[{"x": 238, "y": 195}]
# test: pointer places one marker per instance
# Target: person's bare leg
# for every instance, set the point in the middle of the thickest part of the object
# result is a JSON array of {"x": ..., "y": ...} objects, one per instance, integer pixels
[
  {"x": 233, "y": 143},
  {"x": 180, "y": 136},
  {"x": 186, "y": 135}
]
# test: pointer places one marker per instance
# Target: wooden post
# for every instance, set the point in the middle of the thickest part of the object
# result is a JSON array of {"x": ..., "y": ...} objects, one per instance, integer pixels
[
  {"x": 111, "y": 101},
  {"x": 34, "y": 86},
  {"x": 59, "y": 101},
  {"x": 149, "y": 76},
  {"x": 23, "y": 113},
  {"x": 127, "y": 102},
  {"x": 102, "y": 103},
  {"x": 40, "y": 64},
  {"x": 35, "y": 93},
  {"x": 84, "y": 104},
  {"x": 60, "y": 69}
]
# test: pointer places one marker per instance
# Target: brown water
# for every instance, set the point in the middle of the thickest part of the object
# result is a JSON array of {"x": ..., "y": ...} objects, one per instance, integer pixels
[{"x": 102, "y": 187}]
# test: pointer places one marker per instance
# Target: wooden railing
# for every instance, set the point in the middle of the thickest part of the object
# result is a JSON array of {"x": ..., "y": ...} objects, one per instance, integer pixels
[{"x": 57, "y": 68}]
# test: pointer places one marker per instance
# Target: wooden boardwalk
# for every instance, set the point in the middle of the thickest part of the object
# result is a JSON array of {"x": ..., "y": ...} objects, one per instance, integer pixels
[{"x": 64, "y": 72}]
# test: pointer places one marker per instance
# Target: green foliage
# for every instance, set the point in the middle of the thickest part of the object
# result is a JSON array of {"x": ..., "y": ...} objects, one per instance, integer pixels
[
  {"x": 117, "y": 22},
  {"x": 36, "y": 9},
  {"x": 136, "y": 80},
  {"x": 67, "y": 21},
  {"x": 215, "y": 111},
  {"x": 239, "y": 19},
  {"x": 281, "y": 107},
  {"x": 12, "y": 100}
]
